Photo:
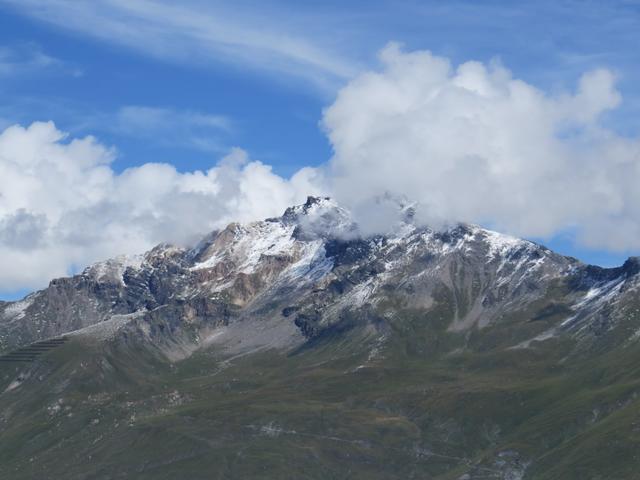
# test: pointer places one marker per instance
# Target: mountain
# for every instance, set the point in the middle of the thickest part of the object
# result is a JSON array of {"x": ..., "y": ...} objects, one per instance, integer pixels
[{"x": 294, "y": 347}]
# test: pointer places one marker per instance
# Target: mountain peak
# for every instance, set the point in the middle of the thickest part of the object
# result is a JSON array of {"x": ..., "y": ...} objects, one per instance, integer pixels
[
  {"x": 319, "y": 217},
  {"x": 631, "y": 266},
  {"x": 311, "y": 200},
  {"x": 310, "y": 206},
  {"x": 318, "y": 245}
]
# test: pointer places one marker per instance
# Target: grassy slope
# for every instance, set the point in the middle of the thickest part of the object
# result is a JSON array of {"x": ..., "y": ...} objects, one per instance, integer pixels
[{"x": 424, "y": 408}]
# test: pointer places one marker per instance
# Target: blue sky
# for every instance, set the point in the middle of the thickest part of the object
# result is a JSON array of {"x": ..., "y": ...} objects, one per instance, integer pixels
[{"x": 184, "y": 84}]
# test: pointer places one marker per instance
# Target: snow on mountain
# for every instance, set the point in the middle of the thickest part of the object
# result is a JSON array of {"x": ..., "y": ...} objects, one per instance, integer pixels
[
  {"x": 313, "y": 264},
  {"x": 244, "y": 245},
  {"x": 113, "y": 269},
  {"x": 17, "y": 310}
]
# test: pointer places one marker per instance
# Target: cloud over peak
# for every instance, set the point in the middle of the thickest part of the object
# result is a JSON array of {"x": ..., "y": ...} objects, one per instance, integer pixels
[
  {"x": 61, "y": 204},
  {"x": 473, "y": 143}
]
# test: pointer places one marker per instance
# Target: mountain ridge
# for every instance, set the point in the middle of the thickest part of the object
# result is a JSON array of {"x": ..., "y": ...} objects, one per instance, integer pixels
[{"x": 316, "y": 235}]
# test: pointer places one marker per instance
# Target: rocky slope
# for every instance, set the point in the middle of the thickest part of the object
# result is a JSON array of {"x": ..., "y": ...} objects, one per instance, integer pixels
[
  {"x": 310, "y": 268},
  {"x": 418, "y": 309}
]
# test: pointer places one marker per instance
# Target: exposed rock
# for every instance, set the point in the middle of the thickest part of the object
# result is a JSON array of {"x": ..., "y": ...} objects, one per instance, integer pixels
[{"x": 311, "y": 269}]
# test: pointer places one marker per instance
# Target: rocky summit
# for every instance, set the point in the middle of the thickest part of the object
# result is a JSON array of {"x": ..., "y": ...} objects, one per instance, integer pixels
[{"x": 296, "y": 347}]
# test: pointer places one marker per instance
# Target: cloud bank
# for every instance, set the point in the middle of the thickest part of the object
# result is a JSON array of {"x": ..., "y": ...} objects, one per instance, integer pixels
[
  {"x": 63, "y": 206},
  {"x": 466, "y": 143},
  {"x": 473, "y": 143}
]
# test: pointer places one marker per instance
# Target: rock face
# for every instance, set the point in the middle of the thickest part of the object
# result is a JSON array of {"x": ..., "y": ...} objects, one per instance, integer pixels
[
  {"x": 294, "y": 347},
  {"x": 312, "y": 270}
]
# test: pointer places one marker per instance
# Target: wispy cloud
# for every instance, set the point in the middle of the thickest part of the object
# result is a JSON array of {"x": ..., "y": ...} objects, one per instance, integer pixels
[
  {"x": 155, "y": 125},
  {"x": 171, "y": 127},
  {"x": 193, "y": 32},
  {"x": 29, "y": 57}
]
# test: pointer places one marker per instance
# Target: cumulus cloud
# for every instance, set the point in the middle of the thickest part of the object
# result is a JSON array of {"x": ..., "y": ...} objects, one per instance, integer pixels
[
  {"x": 466, "y": 143},
  {"x": 473, "y": 143},
  {"x": 62, "y": 205}
]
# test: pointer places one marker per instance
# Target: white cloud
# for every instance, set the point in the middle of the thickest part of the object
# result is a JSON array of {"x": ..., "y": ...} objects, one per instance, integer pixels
[
  {"x": 473, "y": 143},
  {"x": 61, "y": 204},
  {"x": 468, "y": 143}
]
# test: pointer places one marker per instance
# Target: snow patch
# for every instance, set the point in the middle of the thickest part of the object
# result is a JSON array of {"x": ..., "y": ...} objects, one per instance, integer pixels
[
  {"x": 250, "y": 243},
  {"x": 17, "y": 310},
  {"x": 312, "y": 265},
  {"x": 600, "y": 293},
  {"x": 114, "y": 268},
  {"x": 107, "y": 329},
  {"x": 500, "y": 244},
  {"x": 13, "y": 385},
  {"x": 539, "y": 338}
]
